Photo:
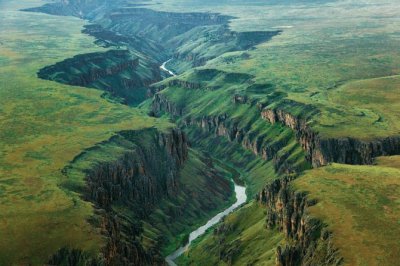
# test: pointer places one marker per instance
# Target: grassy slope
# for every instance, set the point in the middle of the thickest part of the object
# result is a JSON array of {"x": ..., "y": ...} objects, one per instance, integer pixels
[
  {"x": 346, "y": 66},
  {"x": 218, "y": 101},
  {"x": 254, "y": 171},
  {"x": 318, "y": 56},
  {"x": 248, "y": 239},
  {"x": 318, "y": 76},
  {"x": 204, "y": 190},
  {"x": 202, "y": 194},
  {"x": 44, "y": 125},
  {"x": 300, "y": 72},
  {"x": 361, "y": 206}
]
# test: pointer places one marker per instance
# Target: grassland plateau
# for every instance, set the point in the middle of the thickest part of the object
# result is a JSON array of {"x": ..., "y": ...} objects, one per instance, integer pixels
[{"x": 107, "y": 159}]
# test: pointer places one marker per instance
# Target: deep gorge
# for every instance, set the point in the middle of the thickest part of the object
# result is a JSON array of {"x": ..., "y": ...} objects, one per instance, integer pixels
[{"x": 131, "y": 189}]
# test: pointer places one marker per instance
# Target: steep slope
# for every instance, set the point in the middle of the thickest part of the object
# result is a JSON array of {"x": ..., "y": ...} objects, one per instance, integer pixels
[
  {"x": 122, "y": 75},
  {"x": 305, "y": 99},
  {"x": 360, "y": 206},
  {"x": 215, "y": 101},
  {"x": 190, "y": 39},
  {"x": 140, "y": 183},
  {"x": 241, "y": 239}
]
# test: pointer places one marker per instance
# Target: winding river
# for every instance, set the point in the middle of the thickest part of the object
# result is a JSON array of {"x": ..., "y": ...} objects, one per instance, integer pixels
[
  {"x": 164, "y": 68},
  {"x": 241, "y": 198}
]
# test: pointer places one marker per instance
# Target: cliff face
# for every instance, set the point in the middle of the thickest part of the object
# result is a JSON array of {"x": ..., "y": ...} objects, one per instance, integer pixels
[
  {"x": 311, "y": 243},
  {"x": 142, "y": 176},
  {"x": 117, "y": 72},
  {"x": 341, "y": 150},
  {"x": 319, "y": 151},
  {"x": 137, "y": 181},
  {"x": 91, "y": 66},
  {"x": 222, "y": 125}
]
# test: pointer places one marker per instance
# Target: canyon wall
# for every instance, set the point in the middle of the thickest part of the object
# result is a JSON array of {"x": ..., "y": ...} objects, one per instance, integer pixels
[
  {"x": 309, "y": 241},
  {"x": 222, "y": 125},
  {"x": 137, "y": 181},
  {"x": 141, "y": 176},
  {"x": 321, "y": 151},
  {"x": 118, "y": 72}
]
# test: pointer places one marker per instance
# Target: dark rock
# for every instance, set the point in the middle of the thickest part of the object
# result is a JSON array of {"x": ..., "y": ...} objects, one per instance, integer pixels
[
  {"x": 309, "y": 241},
  {"x": 340, "y": 150}
]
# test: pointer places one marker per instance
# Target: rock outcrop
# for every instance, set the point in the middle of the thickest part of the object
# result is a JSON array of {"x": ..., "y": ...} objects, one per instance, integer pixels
[
  {"x": 309, "y": 241},
  {"x": 118, "y": 72},
  {"x": 137, "y": 180},
  {"x": 92, "y": 67},
  {"x": 142, "y": 176},
  {"x": 321, "y": 151},
  {"x": 222, "y": 125}
]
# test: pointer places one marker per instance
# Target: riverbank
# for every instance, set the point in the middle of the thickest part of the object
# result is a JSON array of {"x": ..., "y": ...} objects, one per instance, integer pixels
[
  {"x": 164, "y": 68},
  {"x": 241, "y": 198}
]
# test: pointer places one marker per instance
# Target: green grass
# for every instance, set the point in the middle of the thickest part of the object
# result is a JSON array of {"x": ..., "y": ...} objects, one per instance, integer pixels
[
  {"x": 320, "y": 60},
  {"x": 44, "y": 125},
  {"x": 215, "y": 98},
  {"x": 361, "y": 206},
  {"x": 204, "y": 191},
  {"x": 342, "y": 65},
  {"x": 323, "y": 75},
  {"x": 255, "y": 172},
  {"x": 247, "y": 240}
]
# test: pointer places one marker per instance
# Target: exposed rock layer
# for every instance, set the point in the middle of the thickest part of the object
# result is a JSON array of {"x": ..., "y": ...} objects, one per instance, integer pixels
[
  {"x": 321, "y": 151},
  {"x": 141, "y": 176},
  {"x": 311, "y": 243},
  {"x": 117, "y": 72},
  {"x": 137, "y": 180},
  {"x": 222, "y": 125}
]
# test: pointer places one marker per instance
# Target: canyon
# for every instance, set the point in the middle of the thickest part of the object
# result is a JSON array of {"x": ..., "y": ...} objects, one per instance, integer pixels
[{"x": 181, "y": 140}]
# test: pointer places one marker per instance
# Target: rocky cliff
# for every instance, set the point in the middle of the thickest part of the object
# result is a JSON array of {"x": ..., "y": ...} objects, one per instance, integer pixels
[
  {"x": 223, "y": 125},
  {"x": 117, "y": 23},
  {"x": 309, "y": 243},
  {"x": 141, "y": 176},
  {"x": 118, "y": 72},
  {"x": 321, "y": 151},
  {"x": 136, "y": 182},
  {"x": 92, "y": 67}
]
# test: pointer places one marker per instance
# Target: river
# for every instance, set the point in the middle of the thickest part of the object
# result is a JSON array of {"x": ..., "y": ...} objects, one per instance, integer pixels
[
  {"x": 241, "y": 198},
  {"x": 164, "y": 68}
]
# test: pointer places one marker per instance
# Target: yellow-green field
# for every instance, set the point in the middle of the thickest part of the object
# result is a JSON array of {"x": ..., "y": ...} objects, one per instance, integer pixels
[
  {"x": 44, "y": 125},
  {"x": 328, "y": 77},
  {"x": 340, "y": 58},
  {"x": 326, "y": 52},
  {"x": 361, "y": 206}
]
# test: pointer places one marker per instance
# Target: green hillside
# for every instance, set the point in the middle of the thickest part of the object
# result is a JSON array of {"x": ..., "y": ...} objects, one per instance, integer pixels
[{"x": 106, "y": 158}]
